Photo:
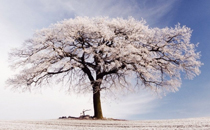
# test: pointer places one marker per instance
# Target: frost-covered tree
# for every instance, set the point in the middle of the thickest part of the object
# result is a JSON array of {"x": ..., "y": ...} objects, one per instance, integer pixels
[{"x": 98, "y": 53}]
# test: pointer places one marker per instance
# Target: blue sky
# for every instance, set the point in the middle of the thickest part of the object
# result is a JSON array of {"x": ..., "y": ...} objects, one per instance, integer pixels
[{"x": 19, "y": 19}]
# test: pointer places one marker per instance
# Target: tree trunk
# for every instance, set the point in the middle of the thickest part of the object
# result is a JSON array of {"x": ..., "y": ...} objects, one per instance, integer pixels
[{"x": 97, "y": 101}]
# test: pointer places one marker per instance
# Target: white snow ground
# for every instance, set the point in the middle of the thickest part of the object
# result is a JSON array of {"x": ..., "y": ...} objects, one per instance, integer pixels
[{"x": 66, "y": 124}]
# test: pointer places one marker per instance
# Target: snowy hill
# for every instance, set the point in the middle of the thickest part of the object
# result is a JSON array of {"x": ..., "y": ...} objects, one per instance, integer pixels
[{"x": 67, "y": 124}]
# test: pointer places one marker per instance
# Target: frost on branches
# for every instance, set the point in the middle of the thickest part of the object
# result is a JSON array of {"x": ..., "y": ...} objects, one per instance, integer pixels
[{"x": 104, "y": 53}]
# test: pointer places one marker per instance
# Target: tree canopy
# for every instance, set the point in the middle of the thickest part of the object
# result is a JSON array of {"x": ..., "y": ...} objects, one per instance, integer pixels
[{"x": 106, "y": 53}]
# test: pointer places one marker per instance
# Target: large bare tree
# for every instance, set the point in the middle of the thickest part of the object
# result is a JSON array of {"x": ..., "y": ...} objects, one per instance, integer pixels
[{"x": 97, "y": 53}]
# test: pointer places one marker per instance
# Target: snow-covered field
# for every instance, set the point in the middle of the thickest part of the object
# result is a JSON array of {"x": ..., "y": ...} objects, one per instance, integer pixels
[{"x": 178, "y": 124}]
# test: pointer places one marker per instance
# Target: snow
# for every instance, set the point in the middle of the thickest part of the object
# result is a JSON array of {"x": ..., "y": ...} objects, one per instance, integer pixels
[{"x": 68, "y": 124}]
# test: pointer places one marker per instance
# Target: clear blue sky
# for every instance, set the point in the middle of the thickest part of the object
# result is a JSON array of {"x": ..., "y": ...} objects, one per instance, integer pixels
[{"x": 20, "y": 18}]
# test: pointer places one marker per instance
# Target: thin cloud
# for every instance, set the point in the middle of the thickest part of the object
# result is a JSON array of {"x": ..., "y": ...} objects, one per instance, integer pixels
[
  {"x": 150, "y": 10},
  {"x": 129, "y": 105}
]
